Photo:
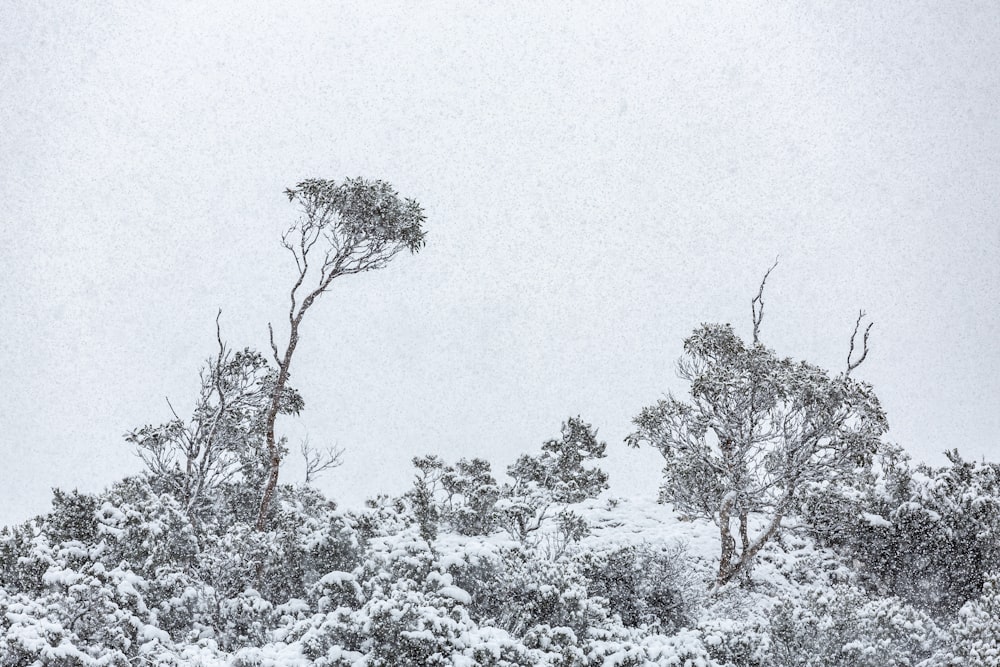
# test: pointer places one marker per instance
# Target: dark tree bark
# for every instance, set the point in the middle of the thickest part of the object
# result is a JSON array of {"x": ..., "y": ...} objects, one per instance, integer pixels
[{"x": 350, "y": 227}]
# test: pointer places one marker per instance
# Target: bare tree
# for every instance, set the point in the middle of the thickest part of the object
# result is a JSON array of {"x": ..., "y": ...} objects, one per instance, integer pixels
[
  {"x": 344, "y": 228},
  {"x": 755, "y": 429},
  {"x": 319, "y": 461}
]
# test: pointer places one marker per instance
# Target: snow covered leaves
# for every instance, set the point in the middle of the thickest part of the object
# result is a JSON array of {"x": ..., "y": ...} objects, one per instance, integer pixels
[{"x": 755, "y": 428}]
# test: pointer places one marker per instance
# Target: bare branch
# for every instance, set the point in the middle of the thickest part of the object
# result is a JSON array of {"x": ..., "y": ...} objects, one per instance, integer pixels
[
  {"x": 851, "y": 363},
  {"x": 218, "y": 335},
  {"x": 274, "y": 347},
  {"x": 757, "y": 304},
  {"x": 318, "y": 462},
  {"x": 172, "y": 411}
]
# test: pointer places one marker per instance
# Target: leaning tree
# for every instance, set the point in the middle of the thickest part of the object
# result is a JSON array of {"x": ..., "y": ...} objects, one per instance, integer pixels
[
  {"x": 756, "y": 428},
  {"x": 343, "y": 229}
]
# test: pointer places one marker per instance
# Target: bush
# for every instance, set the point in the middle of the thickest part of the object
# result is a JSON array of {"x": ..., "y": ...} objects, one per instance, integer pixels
[
  {"x": 975, "y": 634},
  {"x": 843, "y": 627},
  {"x": 927, "y": 535},
  {"x": 644, "y": 585}
]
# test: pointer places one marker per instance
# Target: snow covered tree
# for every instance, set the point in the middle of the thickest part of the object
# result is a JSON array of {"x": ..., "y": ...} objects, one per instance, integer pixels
[
  {"x": 556, "y": 476},
  {"x": 344, "y": 228},
  {"x": 755, "y": 429},
  {"x": 464, "y": 495},
  {"x": 224, "y": 437}
]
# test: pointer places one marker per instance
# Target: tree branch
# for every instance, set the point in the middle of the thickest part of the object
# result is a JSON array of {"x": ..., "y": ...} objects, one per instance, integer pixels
[
  {"x": 318, "y": 462},
  {"x": 757, "y": 304},
  {"x": 274, "y": 347},
  {"x": 851, "y": 364}
]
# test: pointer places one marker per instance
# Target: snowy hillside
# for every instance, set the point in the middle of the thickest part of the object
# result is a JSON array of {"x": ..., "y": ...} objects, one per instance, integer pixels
[{"x": 121, "y": 579}]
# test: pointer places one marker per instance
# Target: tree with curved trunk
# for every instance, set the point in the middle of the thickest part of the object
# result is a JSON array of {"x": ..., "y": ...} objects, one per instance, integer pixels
[
  {"x": 755, "y": 429},
  {"x": 343, "y": 229}
]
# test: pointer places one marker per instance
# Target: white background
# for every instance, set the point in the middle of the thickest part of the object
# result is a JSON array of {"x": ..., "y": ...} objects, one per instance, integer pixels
[{"x": 597, "y": 182}]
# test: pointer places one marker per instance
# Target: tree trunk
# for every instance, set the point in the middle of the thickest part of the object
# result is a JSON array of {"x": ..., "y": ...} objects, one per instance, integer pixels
[
  {"x": 728, "y": 542},
  {"x": 274, "y": 455}
]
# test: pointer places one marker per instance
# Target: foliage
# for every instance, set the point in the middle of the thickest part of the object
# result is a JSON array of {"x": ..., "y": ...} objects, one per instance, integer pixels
[
  {"x": 755, "y": 429},
  {"x": 976, "y": 631},
  {"x": 469, "y": 500},
  {"x": 928, "y": 535},
  {"x": 358, "y": 218},
  {"x": 556, "y": 476},
  {"x": 137, "y": 582},
  {"x": 842, "y": 626},
  {"x": 645, "y": 585},
  {"x": 224, "y": 439}
]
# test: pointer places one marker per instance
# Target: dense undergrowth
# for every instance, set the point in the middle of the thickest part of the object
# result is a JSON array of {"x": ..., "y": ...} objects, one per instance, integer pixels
[{"x": 898, "y": 568}]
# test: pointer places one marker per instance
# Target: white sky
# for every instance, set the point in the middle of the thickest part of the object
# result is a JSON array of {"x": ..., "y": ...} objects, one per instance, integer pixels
[{"x": 597, "y": 182}]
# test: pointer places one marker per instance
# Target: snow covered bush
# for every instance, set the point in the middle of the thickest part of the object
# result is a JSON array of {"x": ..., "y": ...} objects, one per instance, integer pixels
[
  {"x": 524, "y": 590},
  {"x": 841, "y": 626},
  {"x": 645, "y": 585},
  {"x": 467, "y": 498},
  {"x": 463, "y": 496},
  {"x": 87, "y": 614},
  {"x": 557, "y": 476},
  {"x": 397, "y": 608},
  {"x": 928, "y": 535},
  {"x": 224, "y": 438},
  {"x": 975, "y": 634}
]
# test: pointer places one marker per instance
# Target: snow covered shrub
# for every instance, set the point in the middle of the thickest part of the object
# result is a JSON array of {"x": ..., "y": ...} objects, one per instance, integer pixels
[
  {"x": 30, "y": 635},
  {"x": 327, "y": 544},
  {"x": 475, "y": 494},
  {"x": 927, "y": 535},
  {"x": 523, "y": 589},
  {"x": 559, "y": 469},
  {"x": 381, "y": 516},
  {"x": 20, "y": 569},
  {"x": 308, "y": 537},
  {"x": 742, "y": 642},
  {"x": 415, "y": 627},
  {"x": 563, "y": 646},
  {"x": 88, "y": 614},
  {"x": 463, "y": 496},
  {"x": 421, "y": 496},
  {"x": 145, "y": 528},
  {"x": 73, "y": 517},
  {"x": 225, "y": 437},
  {"x": 468, "y": 499},
  {"x": 244, "y": 620},
  {"x": 843, "y": 627},
  {"x": 645, "y": 585},
  {"x": 556, "y": 476},
  {"x": 396, "y": 608},
  {"x": 975, "y": 634},
  {"x": 569, "y": 528}
]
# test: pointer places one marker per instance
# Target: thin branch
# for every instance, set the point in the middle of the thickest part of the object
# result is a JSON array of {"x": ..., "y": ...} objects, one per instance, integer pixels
[
  {"x": 757, "y": 305},
  {"x": 274, "y": 347},
  {"x": 170, "y": 405},
  {"x": 320, "y": 461},
  {"x": 218, "y": 337},
  {"x": 851, "y": 364}
]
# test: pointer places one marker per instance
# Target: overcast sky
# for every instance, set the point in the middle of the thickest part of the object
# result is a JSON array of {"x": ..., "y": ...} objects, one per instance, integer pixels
[{"x": 597, "y": 182}]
